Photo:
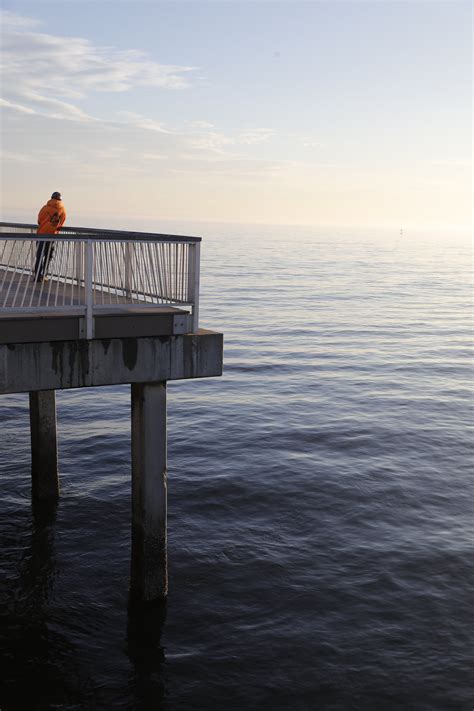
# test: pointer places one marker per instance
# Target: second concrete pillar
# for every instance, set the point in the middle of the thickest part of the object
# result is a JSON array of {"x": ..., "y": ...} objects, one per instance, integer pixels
[
  {"x": 44, "y": 446},
  {"x": 149, "y": 579}
]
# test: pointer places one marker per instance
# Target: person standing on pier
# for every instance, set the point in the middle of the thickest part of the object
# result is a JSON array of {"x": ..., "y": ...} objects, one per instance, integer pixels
[{"x": 51, "y": 218}]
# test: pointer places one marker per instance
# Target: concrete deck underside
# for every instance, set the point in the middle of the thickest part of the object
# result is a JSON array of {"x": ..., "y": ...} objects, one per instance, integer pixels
[{"x": 29, "y": 367}]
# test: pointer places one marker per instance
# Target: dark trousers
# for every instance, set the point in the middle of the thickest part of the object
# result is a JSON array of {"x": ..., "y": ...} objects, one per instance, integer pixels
[{"x": 44, "y": 253}]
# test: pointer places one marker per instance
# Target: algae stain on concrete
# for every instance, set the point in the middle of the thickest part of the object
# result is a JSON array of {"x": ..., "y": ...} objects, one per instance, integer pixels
[
  {"x": 57, "y": 350},
  {"x": 76, "y": 353},
  {"x": 129, "y": 352}
]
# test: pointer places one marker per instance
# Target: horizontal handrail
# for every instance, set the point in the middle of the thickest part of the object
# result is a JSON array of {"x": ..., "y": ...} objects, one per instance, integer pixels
[
  {"x": 90, "y": 269},
  {"x": 103, "y": 234}
]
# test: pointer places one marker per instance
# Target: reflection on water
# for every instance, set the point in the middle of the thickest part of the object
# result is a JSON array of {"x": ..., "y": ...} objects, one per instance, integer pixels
[
  {"x": 38, "y": 565},
  {"x": 32, "y": 641},
  {"x": 144, "y": 631},
  {"x": 38, "y": 659}
]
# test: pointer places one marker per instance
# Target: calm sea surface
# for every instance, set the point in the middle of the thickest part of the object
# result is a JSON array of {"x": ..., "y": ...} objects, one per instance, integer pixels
[{"x": 320, "y": 498}]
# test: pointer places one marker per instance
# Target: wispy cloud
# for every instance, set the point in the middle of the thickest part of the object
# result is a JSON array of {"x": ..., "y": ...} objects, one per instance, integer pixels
[
  {"x": 212, "y": 142},
  {"x": 134, "y": 119},
  {"x": 52, "y": 77},
  {"x": 216, "y": 143},
  {"x": 9, "y": 20},
  {"x": 57, "y": 72},
  {"x": 256, "y": 135},
  {"x": 202, "y": 125},
  {"x": 17, "y": 107},
  {"x": 54, "y": 108}
]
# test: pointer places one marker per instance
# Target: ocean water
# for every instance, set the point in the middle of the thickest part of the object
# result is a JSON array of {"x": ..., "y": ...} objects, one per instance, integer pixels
[{"x": 320, "y": 498}]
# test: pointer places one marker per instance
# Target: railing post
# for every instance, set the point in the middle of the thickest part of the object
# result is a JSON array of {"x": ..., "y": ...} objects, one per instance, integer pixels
[
  {"x": 89, "y": 258},
  {"x": 195, "y": 269}
]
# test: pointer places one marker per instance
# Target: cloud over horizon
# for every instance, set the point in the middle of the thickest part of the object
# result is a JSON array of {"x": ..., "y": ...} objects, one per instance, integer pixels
[{"x": 53, "y": 77}]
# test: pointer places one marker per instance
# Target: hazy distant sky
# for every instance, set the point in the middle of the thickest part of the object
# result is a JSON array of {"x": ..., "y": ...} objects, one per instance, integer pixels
[{"x": 325, "y": 113}]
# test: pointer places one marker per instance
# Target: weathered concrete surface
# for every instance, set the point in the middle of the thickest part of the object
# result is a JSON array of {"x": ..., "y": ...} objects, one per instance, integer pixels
[
  {"x": 149, "y": 574},
  {"x": 44, "y": 447},
  {"x": 28, "y": 367}
]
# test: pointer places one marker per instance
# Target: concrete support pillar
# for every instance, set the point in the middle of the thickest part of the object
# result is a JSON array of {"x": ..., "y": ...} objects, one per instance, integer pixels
[
  {"x": 149, "y": 574},
  {"x": 44, "y": 447}
]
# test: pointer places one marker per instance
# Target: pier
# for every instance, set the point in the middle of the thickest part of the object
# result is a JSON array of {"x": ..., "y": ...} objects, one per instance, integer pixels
[{"x": 117, "y": 308}]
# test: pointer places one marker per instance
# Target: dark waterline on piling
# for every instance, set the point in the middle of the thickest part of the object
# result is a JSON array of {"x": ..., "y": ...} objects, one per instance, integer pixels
[{"x": 320, "y": 515}]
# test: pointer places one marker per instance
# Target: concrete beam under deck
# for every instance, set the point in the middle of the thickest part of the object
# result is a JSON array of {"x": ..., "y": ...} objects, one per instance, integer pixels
[
  {"x": 57, "y": 365},
  {"x": 27, "y": 326}
]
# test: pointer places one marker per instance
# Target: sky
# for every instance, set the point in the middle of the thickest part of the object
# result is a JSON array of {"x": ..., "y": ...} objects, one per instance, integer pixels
[{"x": 306, "y": 113}]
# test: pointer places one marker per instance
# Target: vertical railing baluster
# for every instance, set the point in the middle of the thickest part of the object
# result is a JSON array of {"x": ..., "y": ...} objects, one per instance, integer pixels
[
  {"x": 88, "y": 275},
  {"x": 66, "y": 270},
  {"x": 113, "y": 273},
  {"x": 72, "y": 255},
  {"x": 110, "y": 271},
  {"x": 144, "y": 272},
  {"x": 97, "y": 293},
  {"x": 167, "y": 271},
  {"x": 174, "y": 269},
  {"x": 196, "y": 248},
  {"x": 161, "y": 271},
  {"x": 128, "y": 270},
  {"x": 151, "y": 267},
  {"x": 134, "y": 268},
  {"x": 120, "y": 271},
  {"x": 122, "y": 250},
  {"x": 153, "y": 272},
  {"x": 182, "y": 271},
  {"x": 113, "y": 281},
  {"x": 105, "y": 279},
  {"x": 104, "y": 275},
  {"x": 60, "y": 267},
  {"x": 100, "y": 280},
  {"x": 33, "y": 292},
  {"x": 138, "y": 271}
]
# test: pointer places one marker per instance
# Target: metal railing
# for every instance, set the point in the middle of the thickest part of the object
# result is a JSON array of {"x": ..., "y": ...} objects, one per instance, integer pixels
[{"x": 89, "y": 269}]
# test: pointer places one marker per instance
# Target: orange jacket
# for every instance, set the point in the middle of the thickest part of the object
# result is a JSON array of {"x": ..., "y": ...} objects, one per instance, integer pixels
[{"x": 51, "y": 217}]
